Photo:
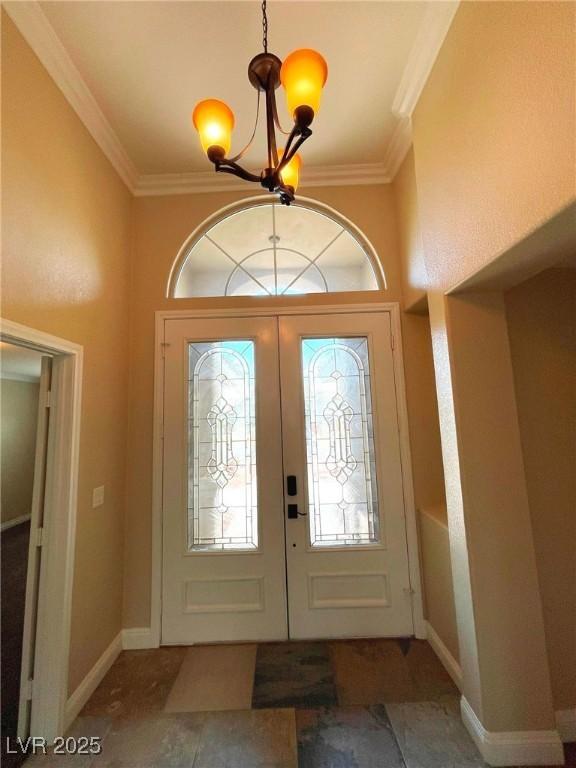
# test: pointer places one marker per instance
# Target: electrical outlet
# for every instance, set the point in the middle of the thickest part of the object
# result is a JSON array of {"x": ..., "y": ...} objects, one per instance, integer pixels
[{"x": 98, "y": 496}]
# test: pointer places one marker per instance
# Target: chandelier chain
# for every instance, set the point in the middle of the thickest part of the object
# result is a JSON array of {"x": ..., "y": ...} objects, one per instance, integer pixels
[{"x": 264, "y": 27}]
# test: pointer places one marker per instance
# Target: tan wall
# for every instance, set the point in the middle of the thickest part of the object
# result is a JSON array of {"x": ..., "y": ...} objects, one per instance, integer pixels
[
  {"x": 423, "y": 419},
  {"x": 494, "y": 159},
  {"x": 423, "y": 423},
  {"x": 161, "y": 226},
  {"x": 437, "y": 576},
  {"x": 66, "y": 241},
  {"x": 542, "y": 327},
  {"x": 494, "y": 133},
  {"x": 19, "y": 409},
  {"x": 411, "y": 246}
]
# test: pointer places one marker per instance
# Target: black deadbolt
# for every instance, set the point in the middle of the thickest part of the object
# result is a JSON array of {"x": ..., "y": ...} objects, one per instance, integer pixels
[{"x": 291, "y": 485}]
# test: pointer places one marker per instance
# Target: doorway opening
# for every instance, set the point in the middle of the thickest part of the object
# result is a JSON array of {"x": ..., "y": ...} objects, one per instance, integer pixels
[{"x": 38, "y": 617}]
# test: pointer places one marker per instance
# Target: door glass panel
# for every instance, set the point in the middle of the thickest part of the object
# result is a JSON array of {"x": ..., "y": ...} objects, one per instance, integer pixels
[
  {"x": 342, "y": 492},
  {"x": 222, "y": 503}
]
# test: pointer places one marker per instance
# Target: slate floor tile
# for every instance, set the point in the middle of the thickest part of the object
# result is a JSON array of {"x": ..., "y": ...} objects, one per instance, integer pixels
[
  {"x": 356, "y": 737},
  {"x": 371, "y": 672},
  {"x": 293, "y": 675},
  {"x": 138, "y": 683},
  {"x": 570, "y": 754},
  {"x": 380, "y": 671},
  {"x": 432, "y": 735},
  {"x": 432, "y": 681},
  {"x": 263, "y": 738},
  {"x": 97, "y": 727},
  {"x": 154, "y": 741}
]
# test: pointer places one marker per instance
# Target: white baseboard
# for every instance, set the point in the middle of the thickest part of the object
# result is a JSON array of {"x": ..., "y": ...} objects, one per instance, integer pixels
[
  {"x": 449, "y": 662},
  {"x": 566, "y": 724},
  {"x": 513, "y": 747},
  {"x": 137, "y": 638},
  {"x": 92, "y": 680},
  {"x": 15, "y": 521}
]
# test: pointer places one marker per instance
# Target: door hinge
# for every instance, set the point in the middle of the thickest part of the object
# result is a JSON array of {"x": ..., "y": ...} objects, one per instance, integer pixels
[
  {"x": 48, "y": 400},
  {"x": 39, "y": 537},
  {"x": 28, "y": 690},
  {"x": 392, "y": 341},
  {"x": 410, "y": 592},
  {"x": 163, "y": 345}
]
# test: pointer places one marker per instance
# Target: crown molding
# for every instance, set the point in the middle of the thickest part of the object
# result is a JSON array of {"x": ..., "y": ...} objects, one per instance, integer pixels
[
  {"x": 41, "y": 37},
  {"x": 210, "y": 181},
  {"x": 398, "y": 146},
  {"x": 431, "y": 34}
]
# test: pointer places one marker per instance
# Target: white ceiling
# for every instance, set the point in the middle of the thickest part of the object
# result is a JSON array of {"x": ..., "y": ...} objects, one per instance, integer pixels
[
  {"x": 19, "y": 362},
  {"x": 148, "y": 63},
  {"x": 134, "y": 70}
]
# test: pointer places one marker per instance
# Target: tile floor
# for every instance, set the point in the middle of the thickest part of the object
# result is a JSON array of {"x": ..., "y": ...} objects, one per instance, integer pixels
[{"x": 347, "y": 704}]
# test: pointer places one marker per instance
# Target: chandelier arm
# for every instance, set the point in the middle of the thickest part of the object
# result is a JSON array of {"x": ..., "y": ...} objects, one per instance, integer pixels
[
  {"x": 247, "y": 147},
  {"x": 271, "y": 134},
  {"x": 287, "y": 147},
  {"x": 230, "y": 166},
  {"x": 289, "y": 152},
  {"x": 277, "y": 122}
]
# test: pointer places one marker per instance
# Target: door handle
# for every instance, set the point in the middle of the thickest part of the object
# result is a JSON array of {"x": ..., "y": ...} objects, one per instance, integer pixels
[
  {"x": 293, "y": 513},
  {"x": 291, "y": 485}
]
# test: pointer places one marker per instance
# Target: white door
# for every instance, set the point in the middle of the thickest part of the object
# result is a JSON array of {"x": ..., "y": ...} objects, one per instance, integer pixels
[
  {"x": 347, "y": 555},
  {"x": 282, "y": 467},
  {"x": 37, "y": 526},
  {"x": 224, "y": 574}
]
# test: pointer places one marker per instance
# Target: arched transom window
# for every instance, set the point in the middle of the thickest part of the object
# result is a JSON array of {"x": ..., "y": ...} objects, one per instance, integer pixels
[{"x": 260, "y": 248}]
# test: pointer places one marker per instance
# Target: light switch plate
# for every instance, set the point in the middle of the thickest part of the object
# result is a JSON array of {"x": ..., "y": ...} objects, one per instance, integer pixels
[{"x": 98, "y": 496}]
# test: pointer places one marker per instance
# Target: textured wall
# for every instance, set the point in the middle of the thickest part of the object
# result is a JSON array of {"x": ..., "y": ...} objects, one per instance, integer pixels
[
  {"x": 66, "y": 243},
  {"x": 542, "y": 327},
  {"x": 494, "y": 133}
]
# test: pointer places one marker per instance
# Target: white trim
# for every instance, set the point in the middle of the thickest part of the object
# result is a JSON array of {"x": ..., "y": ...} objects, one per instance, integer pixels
[
  {"x": 78, "y": 699},
  {"x": 566, "y": 723},
  {"x": 448, "y": 661},
  {"x": 407, "y": 479},
  {"x": 398, "y": 146},
  {"x": 41, "y": 37},
  {"x": 136, "y": 638},
  {"x": 512, "y": 747},
  {"x": 429, "y": 39},
  {"x": 60, "y": 507},
  {"x": 15, "y": 521},
  {"x": 272, "y": 311},
  {"x": 210, "y": 181},
  {"x": 157, "y": 483}
]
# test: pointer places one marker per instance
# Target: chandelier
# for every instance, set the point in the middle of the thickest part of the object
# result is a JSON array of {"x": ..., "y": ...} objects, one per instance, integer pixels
[{"x": 303, "y": 75}]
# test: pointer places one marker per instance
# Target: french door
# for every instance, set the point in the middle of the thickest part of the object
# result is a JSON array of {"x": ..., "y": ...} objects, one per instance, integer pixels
[{"x": 283, "y": 509}]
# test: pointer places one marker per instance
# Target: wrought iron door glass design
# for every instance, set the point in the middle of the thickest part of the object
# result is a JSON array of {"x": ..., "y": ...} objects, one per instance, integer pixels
[
  {"x": 222, "y": 489},
  {"x": 342, "y": 492}
]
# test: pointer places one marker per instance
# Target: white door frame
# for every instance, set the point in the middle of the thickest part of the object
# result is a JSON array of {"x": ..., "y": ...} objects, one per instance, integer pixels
[
  {"x": 393, "y": 308},
  {"x": 50, "y": 689}
]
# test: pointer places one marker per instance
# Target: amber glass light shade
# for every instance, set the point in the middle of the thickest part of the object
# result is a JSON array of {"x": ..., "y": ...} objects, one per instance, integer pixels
[
  {"x": 303, "y": 75},
  {"x": 214, "y": 122},
  {"x": 290, "y": 174}
]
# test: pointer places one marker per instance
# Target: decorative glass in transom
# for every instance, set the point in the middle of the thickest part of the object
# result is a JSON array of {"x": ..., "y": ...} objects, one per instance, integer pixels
[{"x": 271, "y": 250}]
